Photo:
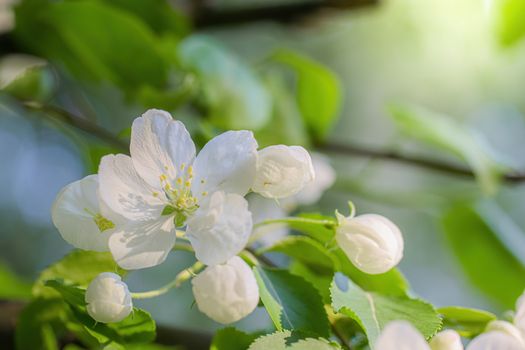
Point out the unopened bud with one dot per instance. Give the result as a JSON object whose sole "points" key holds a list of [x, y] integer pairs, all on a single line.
{"points": [[446, 340], [108, 298]]}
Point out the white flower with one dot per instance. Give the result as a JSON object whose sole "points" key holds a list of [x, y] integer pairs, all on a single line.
{"points": [[446, 340], [373, 243], [282, 171], [324, 179], [162, 185], [400, 335], [108, 298], [81, 218], [226, 293], [266, 209], [495, 340], [507, 328]]}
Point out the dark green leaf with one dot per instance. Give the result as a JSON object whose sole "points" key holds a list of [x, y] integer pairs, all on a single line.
{"points": [[291, 302], [468, 322], [487, 262], [231, 339], [374, 311], [318, 92]]}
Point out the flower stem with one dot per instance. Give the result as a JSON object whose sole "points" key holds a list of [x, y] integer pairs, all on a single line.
{"points": [[293, 220], [182, 277]]}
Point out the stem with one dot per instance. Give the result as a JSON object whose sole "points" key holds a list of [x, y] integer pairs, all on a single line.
{"points": [[182, 277], [184, 247], [292, 220]]}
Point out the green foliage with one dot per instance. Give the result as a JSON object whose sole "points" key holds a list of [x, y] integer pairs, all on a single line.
{"points": [[468, 322], [486, 261], [231, 339], [94, 41], [291, 302], [318, 92], [138, 327], [78, 267], [233, 95], [510, 24], [444, 133], [38, 323], [280, 341], [34, 84], [374, 311], [12, 286]]}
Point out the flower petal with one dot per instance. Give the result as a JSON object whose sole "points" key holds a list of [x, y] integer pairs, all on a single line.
{"points": [[124, 192], [159, 146], [220, 228], [495, 340], [143, 244], [73, 215], [266, 209], [226, 163], [400, 335]]}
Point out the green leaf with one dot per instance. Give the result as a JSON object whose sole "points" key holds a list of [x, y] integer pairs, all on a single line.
{"points": [[231, 339], [94, 41], [487, 262], [374, 311], [38, 323], [291, 302], [232, 93], [318, 92], [35, 83], [12, 286], [468, 322], [138, 327], [278, 341], [319, 227], [449, 135], [78, 267], [510, 24]]}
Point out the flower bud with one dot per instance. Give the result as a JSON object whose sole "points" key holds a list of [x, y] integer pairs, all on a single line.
{"points": [[373, 243], [282, 171], [108, 298], [507, 328], [399, 335], [226, 293], [495, 340], [446, 340]]}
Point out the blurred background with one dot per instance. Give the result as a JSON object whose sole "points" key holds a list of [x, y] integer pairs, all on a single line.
{"points": [[417, 105]]}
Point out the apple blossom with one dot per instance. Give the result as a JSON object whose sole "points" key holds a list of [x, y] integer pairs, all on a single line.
{"points": [[108, 298], [400, 335], [163, 185], [81, 218], [282, 171], [495, 340], [263, 209], [226, 293], [446, 340], [373, 243]]}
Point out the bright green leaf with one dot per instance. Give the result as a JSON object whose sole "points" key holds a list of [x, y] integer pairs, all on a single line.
{"points": [[374, 311], [487, 262], [12, 286], [278, 341], [78, 267], [231, 339], [318, 92], [468, 322], [510, 24], [449, 135], [232, 93], [291, 302]]}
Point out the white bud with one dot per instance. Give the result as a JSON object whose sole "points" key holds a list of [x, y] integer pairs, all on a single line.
{"points": [[108, 298], [373, 243], [400, 335], [226, 293], [446, 340], [507, 328], [282, 171], [495, 340]]}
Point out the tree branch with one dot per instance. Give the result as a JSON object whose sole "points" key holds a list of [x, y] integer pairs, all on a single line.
{"points": [[447, 168]]}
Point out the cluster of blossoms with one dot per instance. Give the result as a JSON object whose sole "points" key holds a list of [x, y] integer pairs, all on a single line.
{"points": [[137, 206], [498, 335]]}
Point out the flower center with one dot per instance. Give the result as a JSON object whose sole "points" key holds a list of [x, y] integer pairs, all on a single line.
{"points": [[102, 223], [181, 202]]}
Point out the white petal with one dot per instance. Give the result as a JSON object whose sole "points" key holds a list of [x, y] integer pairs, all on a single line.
{"points": [[266, 209], [495, 340], [400, 335], [324, 179], [160, 145], [143, 244], [124, 192], [446, 340], [220, 228], [108, 298], [73, 215], [282, 171], [226, 163]]}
